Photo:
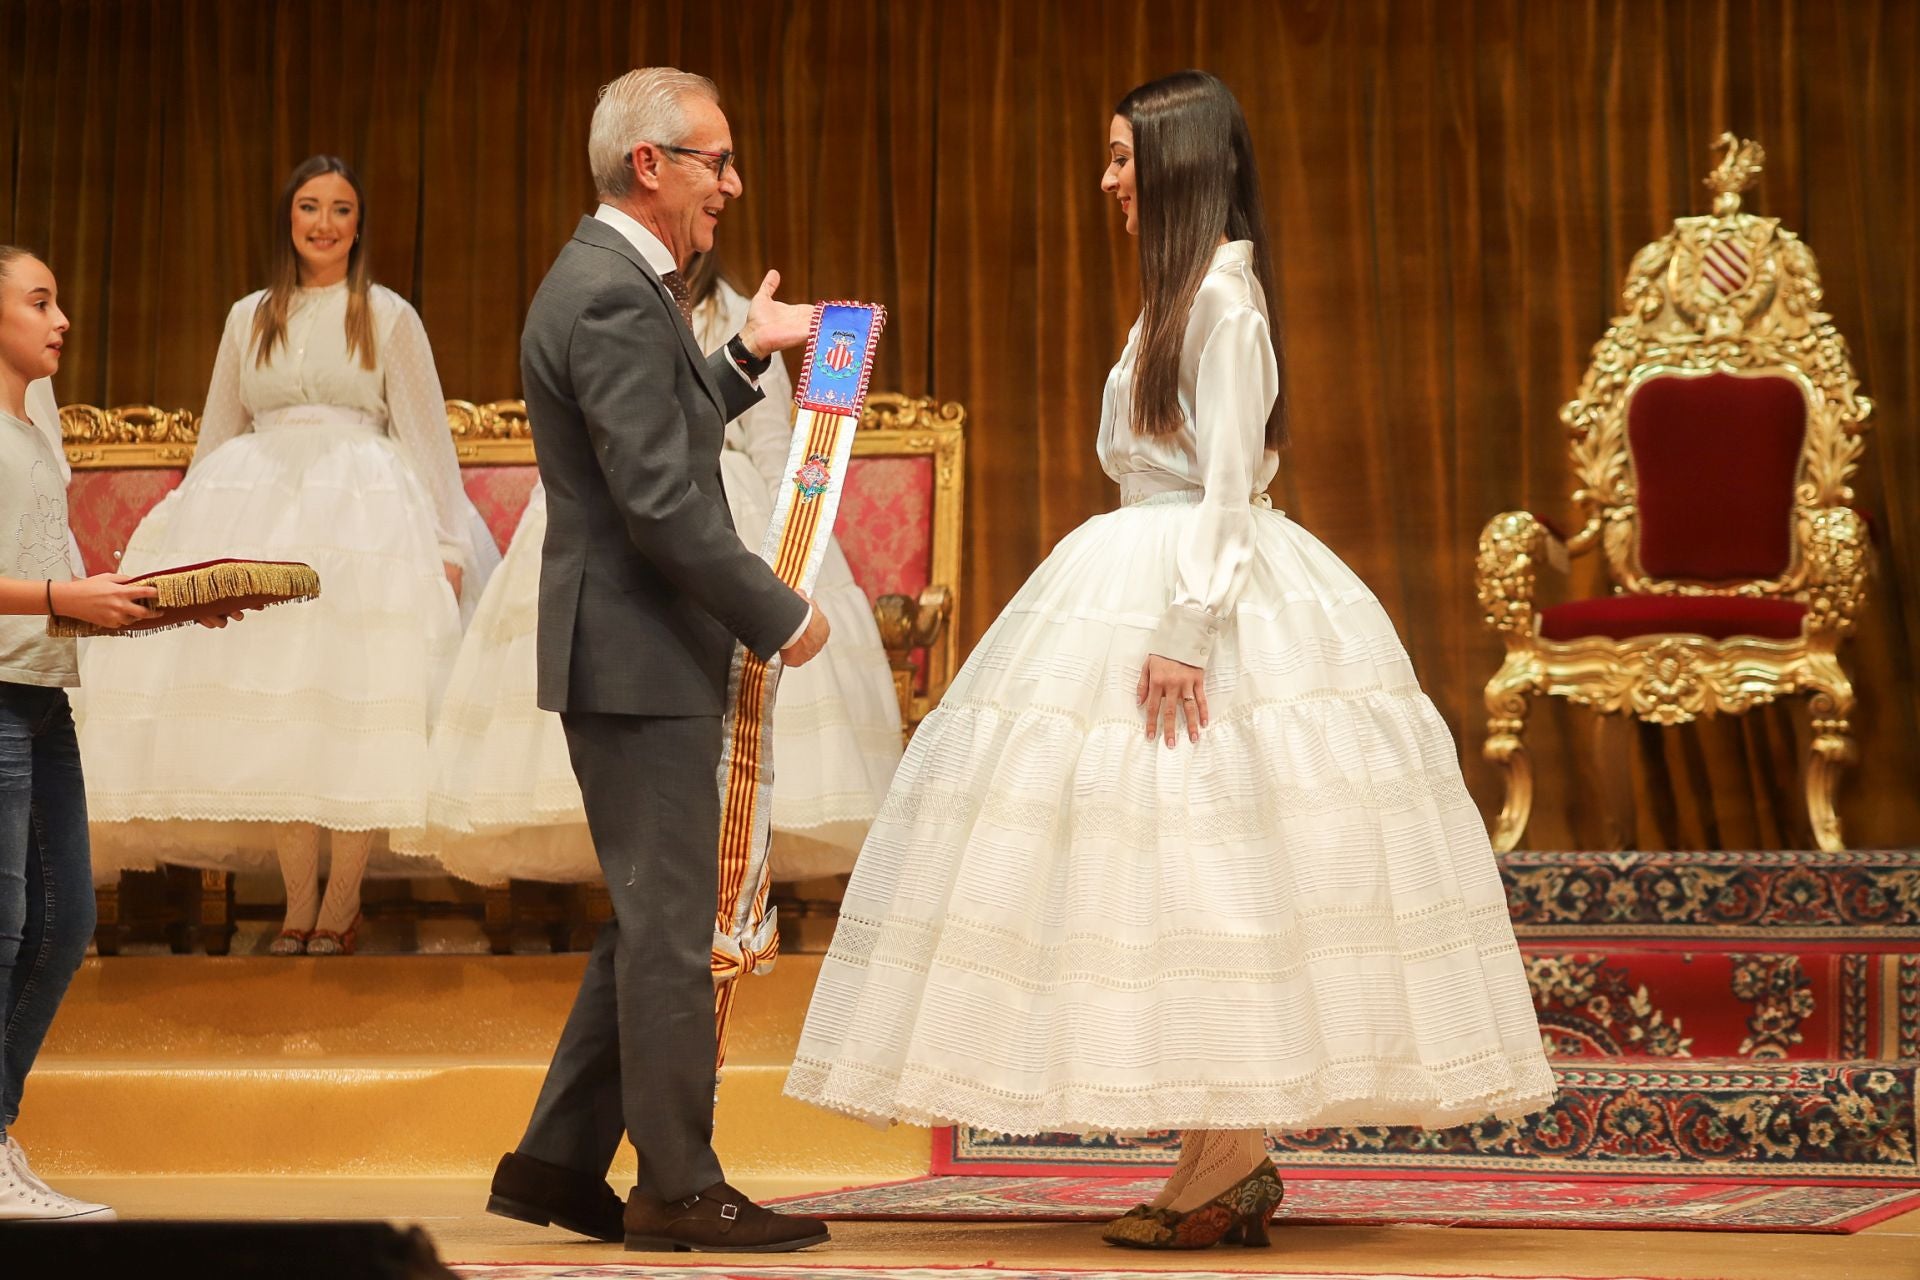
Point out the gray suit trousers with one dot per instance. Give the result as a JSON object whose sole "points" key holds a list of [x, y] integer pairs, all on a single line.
{"points": [[638, 1050]]}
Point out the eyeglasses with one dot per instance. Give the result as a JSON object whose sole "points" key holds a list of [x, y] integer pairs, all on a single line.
{"points": [[720, 159]]}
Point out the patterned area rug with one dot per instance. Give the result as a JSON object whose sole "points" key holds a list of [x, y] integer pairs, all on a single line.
{"points": [[1717, 1121], [1772, 895], [1357, 1202], [628, 1271]]}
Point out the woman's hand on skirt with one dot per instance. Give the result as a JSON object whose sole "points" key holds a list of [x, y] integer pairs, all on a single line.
{"points": [[454, 577], [1169, 690]]}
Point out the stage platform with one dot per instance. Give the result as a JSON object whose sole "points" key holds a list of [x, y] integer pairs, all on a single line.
{"points": [[423, 1066]]}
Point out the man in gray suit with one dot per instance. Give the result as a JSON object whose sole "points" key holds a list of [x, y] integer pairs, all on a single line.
{"points": [[644, 590]]}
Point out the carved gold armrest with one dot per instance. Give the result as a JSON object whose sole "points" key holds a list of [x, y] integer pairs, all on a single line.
{"points": [[1837, 548], [907, 624], [1511, 547]]}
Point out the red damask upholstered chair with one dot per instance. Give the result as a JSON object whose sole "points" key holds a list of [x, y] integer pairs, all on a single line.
{"points": [[900, 529], [495, 448], [1713, 439]]}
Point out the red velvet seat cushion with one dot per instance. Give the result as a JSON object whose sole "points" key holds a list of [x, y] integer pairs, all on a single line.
{"points": [[1625, 617], [1714, 459]]}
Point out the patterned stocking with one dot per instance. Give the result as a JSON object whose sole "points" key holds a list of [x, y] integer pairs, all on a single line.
{"points": [[298, 844], [1190, 1144], [350, 852], [1226, 1156]]}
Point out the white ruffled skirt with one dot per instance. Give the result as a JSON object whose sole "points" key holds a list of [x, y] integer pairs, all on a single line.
{"points": [[197, 742], [505, 804], [1057, 925]]}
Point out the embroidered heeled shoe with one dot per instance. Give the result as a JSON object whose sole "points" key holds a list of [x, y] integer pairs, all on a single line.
{"points": [[1238, 1215], [290, 942], [325, 942]]}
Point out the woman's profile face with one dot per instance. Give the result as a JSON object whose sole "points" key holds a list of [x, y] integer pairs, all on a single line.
{"points": [[1118, 181], [325, 220]]}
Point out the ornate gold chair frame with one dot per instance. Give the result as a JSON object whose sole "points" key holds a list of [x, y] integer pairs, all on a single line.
{"points": [[1728, 293]]}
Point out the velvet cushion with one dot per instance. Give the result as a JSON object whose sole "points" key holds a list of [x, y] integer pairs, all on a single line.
{"points": [[1715, 459], [1624, 617], [104, 507]]}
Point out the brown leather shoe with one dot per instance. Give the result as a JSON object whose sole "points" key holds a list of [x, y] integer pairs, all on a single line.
{"points": [[531, 1190], [718, 1220]]}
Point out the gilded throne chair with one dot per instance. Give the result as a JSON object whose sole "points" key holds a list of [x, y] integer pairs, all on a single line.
{"points": [[1713, 438]]}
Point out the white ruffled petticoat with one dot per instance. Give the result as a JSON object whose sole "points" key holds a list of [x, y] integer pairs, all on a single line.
{"points": [[1058, 925], [505, 804], [197, 741]]}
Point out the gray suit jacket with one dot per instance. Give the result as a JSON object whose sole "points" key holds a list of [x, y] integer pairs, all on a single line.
{"points": [[644, 585]]}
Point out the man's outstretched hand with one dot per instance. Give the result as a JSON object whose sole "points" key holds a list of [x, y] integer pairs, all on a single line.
{"points": [[774, 326]]}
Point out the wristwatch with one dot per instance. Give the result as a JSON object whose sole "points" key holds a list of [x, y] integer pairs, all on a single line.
{"points": [[737, 352]]}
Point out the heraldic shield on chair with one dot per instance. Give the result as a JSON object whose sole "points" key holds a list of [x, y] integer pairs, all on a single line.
{"points": [[1712, 439]]}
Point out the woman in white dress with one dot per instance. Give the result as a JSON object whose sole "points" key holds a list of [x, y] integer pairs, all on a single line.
{"points": [[324, 440], [1184, 846], [505, 804]]}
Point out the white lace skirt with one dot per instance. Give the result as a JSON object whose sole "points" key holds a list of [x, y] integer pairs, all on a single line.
{"points": [[1057, 925], [197, 741], [505, 804]]}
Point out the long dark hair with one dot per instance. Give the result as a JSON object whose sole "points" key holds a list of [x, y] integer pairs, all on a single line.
{"points": [[1193, 167], [270, 318]]}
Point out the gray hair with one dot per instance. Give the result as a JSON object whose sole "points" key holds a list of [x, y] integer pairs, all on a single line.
{"points": [[645, 105]]}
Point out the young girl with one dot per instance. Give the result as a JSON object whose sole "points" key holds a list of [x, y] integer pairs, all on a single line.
{"points": [[1184, 846], [46, 885], [324, 440]]}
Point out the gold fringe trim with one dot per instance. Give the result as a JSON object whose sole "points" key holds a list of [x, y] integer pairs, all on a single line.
{"points": [[208, 585]]}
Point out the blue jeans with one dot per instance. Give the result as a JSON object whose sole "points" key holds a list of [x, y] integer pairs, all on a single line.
{"points": [[46, 877]]}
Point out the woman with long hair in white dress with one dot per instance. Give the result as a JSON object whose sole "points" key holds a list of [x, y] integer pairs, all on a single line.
{"points": [[324, 440], [505, 805], [1184, 846]]}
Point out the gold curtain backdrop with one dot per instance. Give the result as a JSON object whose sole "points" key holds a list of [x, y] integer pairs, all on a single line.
{"points": [[1456, 188]]}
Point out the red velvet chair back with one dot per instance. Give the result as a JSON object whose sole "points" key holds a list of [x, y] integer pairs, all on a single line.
{"points": [[1716, 459], [886, 524], [104, 507]]}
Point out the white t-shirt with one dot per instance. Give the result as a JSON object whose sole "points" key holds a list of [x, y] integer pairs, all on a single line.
{"points": [[33, 546]]}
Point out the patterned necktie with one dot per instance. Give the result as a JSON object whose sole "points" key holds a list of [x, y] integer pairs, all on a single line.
{"points": [[682, 297]]}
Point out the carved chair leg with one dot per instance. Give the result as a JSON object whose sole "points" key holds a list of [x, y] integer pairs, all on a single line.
{"points": [[1833, 750], [598, 910], [498, 922], [214, 923], [108, 931], [1506, 720]]}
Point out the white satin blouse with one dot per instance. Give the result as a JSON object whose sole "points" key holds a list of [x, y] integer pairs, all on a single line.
{"points": [[1229, 379]]}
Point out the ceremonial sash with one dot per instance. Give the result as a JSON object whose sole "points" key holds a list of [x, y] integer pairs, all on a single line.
{"points": [[833, 386]]}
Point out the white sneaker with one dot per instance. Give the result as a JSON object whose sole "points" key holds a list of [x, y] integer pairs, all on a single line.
{"points": [[23, 1197]]}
